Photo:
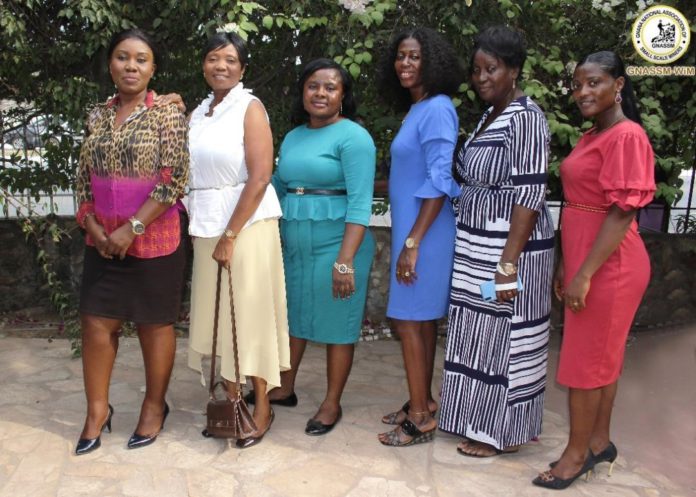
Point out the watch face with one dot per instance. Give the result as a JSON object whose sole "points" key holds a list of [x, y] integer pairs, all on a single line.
{"points": [[410, 243], [137, 226]]}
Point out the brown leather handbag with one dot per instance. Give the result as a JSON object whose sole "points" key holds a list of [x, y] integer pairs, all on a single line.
{"points": [[228, 417]]}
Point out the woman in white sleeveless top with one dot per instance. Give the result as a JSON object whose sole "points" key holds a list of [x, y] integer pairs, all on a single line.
{"points": [[234, 221]]}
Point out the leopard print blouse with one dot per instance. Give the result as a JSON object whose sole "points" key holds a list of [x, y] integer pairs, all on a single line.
{"points": [[147, 156]]}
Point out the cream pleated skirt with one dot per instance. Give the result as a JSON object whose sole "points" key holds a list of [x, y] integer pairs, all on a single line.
{"points": [[258, 284]]}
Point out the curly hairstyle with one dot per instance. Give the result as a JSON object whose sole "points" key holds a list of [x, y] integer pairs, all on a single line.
{"points": [[299, 115], [503, 43], [441, 71], [611, 63]]}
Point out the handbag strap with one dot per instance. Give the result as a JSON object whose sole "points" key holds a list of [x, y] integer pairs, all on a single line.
{"points": [[213, 358], [238, 383]]}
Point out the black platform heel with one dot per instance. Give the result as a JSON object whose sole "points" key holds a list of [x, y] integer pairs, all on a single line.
{"points": [[136, 441], [87, 445]]}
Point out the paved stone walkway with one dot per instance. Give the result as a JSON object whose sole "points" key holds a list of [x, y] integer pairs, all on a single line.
{"points": [[42, 408]]}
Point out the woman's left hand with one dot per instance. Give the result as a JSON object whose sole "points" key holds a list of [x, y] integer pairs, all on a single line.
{"points": [[169, 98], [406, 266], [119, 241], [576, 292], [223, 251], [505, 295], [343, 285]]}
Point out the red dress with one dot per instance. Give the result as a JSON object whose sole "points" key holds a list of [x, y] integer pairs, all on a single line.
{"points": [[614, 167]]}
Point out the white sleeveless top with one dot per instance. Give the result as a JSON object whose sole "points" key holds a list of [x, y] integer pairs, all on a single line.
{"points": [[218, 170]]}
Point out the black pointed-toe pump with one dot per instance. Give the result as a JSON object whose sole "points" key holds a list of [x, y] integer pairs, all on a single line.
{"points": [[87, 445], [136, 441]]}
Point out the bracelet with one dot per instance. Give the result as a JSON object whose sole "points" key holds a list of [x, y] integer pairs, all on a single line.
{"points": [[506, 286], [343, 268], [506, 268]]}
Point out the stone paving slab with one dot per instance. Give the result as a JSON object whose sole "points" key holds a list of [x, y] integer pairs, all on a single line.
{"points": [[42, 407]]}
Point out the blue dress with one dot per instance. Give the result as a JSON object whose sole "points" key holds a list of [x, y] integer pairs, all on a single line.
{"points": [[340, 156], [421, 168]]}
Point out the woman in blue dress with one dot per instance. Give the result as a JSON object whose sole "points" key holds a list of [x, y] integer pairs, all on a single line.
{"points": [[325, 178], [419, 72]]}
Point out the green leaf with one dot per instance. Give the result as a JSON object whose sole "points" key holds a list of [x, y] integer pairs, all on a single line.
{"points": [[248, 26], [267, 22], [354, 70]]}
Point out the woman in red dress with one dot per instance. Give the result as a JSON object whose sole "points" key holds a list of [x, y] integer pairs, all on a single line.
{"points": [[605, 267]]}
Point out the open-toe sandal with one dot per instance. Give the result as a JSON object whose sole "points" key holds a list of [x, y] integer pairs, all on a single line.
{"points": [[489, 451], [393, 417], [410, 429]]}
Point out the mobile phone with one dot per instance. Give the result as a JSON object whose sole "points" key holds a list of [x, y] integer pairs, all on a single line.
{"points": [[488, 289]]}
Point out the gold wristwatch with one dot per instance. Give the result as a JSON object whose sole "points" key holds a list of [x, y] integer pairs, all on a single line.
{"points": [[228, 233], [411, 243], [137, 226], [506, 268]]}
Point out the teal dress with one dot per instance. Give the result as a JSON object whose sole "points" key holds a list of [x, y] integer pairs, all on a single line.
{"points": [[340, 156]]}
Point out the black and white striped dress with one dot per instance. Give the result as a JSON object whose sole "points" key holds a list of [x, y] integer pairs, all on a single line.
{"points": [[495, 358]]}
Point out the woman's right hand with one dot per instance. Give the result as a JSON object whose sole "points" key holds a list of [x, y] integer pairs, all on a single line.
{"points": [[223, 251], [99, 236], [558, 278]]}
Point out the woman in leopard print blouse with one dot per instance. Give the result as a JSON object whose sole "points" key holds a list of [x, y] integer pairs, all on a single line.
{"points": [[133, 168]]}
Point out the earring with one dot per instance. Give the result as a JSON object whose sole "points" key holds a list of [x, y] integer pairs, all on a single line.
{"points": [[340, 111], [514, 84], [618, 99]]}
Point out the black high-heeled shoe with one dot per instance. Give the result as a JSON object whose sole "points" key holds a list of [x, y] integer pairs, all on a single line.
{"points": [[548, 480], [609, 454], [87, 445], [136, 440]]}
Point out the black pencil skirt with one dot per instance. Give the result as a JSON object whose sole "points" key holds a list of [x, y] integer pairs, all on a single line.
{"points": [[144, 291]]}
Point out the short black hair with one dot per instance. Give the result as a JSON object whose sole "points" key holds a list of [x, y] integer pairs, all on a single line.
{"points": [[503, 43], [349, 107], [222, 39], [441, 71], [611, 63], [138, 35]]}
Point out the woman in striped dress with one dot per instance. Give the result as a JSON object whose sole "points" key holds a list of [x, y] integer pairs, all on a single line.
{"points": [[495, 358]]}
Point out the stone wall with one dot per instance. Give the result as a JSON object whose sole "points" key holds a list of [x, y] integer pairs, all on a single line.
{"points": [[670, 298]]}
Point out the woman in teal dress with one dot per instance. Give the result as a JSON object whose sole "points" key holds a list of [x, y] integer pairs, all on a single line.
{"points": [[325, 180]]}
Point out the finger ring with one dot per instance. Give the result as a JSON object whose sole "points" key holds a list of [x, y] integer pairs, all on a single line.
{"points": [[407, 274]]}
